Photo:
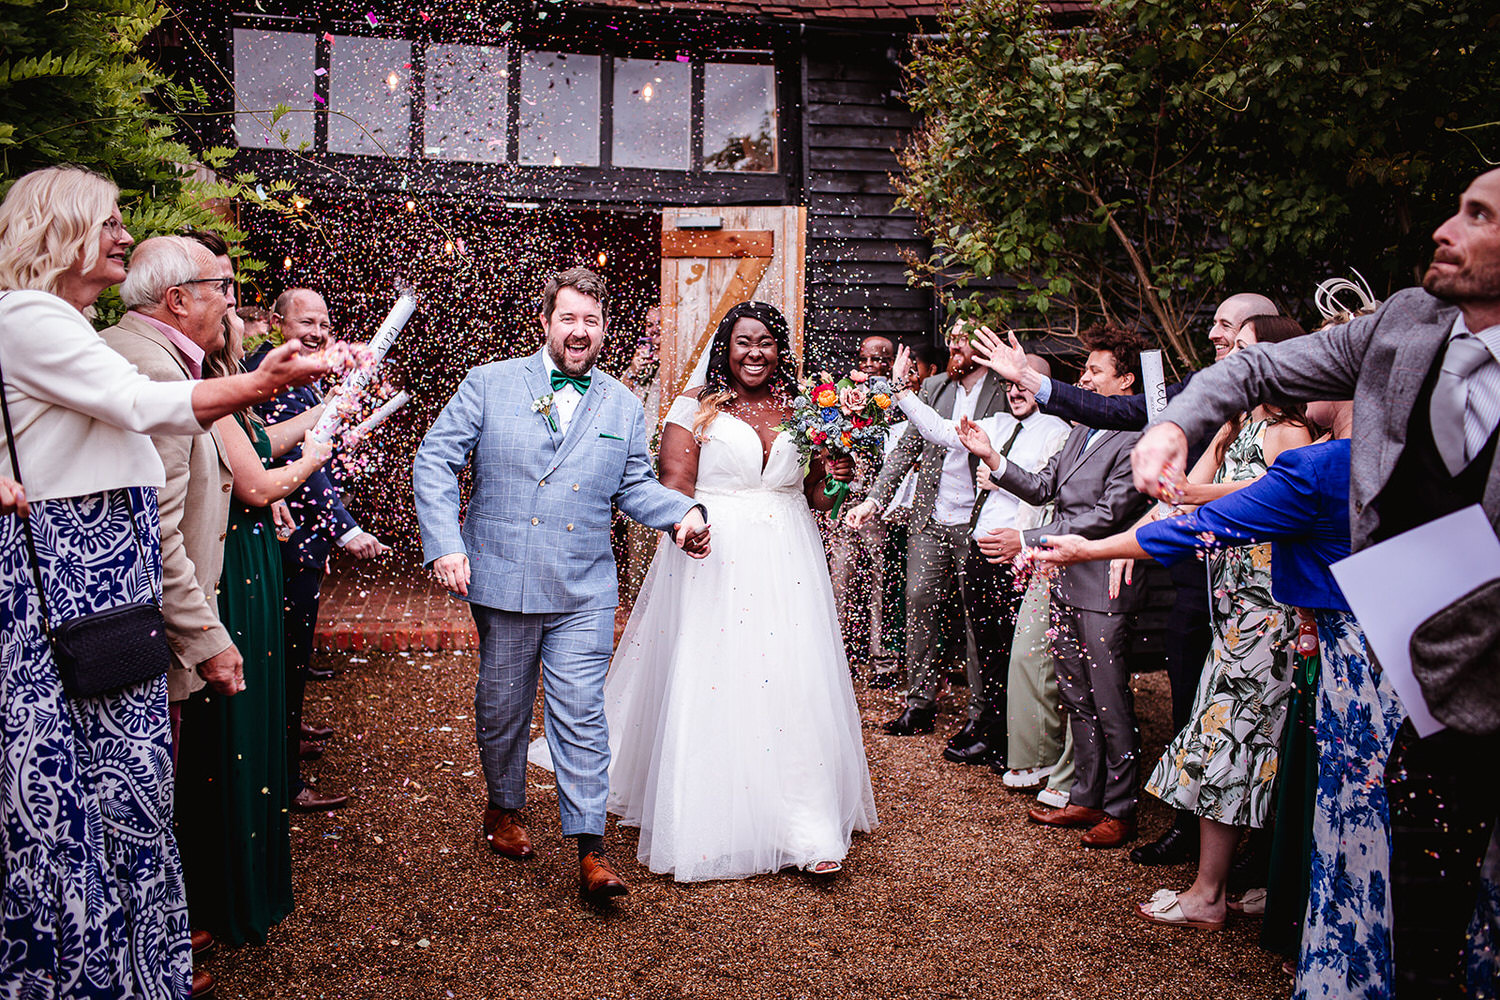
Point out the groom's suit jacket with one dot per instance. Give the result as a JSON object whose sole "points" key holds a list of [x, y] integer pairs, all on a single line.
{"points": [[537, 528]]}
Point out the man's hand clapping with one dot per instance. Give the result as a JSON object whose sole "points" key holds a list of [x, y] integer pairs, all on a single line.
{"points": [[691, 534]]}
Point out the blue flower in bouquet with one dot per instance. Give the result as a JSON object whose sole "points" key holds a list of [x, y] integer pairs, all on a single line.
{"points": [[830, 414]]}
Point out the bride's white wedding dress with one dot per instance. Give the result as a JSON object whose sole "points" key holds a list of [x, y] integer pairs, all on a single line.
{"points": [[733, 730]]}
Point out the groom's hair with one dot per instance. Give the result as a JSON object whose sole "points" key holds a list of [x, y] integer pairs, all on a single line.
{"points": [[582, 279]]}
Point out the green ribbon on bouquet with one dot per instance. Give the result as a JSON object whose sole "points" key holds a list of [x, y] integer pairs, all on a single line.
{"points": [[839, 491]]}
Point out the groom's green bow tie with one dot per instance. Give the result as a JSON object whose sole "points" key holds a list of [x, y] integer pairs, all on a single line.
{"points": [[560, 379]]}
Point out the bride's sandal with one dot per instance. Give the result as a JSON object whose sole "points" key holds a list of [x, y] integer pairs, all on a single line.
{"points": [[823, 868]]}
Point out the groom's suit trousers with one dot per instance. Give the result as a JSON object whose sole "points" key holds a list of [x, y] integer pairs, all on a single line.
{"points": [[572, 650]]}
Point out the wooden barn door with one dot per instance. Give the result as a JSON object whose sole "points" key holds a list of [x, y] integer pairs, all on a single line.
{"points": [[752, 253]]}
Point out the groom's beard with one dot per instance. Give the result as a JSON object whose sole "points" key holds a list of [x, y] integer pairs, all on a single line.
{"points": [[560, 359]]}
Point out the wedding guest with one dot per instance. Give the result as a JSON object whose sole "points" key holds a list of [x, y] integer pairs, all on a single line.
{"points": [[992, 594], [232, 794], [1187, 636], [257, 323], [1089, 482], [938, 537], [1222, 766], [322, 522], [1301, 506], [886, 672], [855, 555], [94, 785], [1427, 449]]}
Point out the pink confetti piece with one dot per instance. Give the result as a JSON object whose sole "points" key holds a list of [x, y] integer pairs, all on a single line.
{"points": [[319, 98], [320, 71], [328, 37], [370, 16], [424, 15]]}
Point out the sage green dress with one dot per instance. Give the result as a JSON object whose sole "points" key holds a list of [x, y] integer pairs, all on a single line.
{"points": [[1223, 764], [233, 828]]}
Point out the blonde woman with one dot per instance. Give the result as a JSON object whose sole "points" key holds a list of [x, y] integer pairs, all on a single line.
{"points": [[92, 893]]}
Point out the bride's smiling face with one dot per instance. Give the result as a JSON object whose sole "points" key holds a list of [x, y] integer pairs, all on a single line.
{"points": [[752, 353]]}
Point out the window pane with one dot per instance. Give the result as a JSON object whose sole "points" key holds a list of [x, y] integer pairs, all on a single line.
{"points": [[739, 117], [271, 68], [367, 82], [466, 105], [653, 114], [559, 109]]}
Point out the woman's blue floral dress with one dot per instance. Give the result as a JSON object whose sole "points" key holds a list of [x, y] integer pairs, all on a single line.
{"points": [[92, 903], [1346, 938]]}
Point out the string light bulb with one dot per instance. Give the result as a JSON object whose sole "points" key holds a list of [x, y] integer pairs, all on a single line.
{"points": [[603, 258], [411, 206], [393, 81], [286, 263], [648, 92]]}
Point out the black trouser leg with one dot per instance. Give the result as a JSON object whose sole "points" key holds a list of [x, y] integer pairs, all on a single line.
{"points": [[992, 602], [1442, 792], [303, 584]]}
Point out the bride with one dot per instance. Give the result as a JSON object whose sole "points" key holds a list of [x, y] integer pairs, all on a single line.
{"points": [[734, 736]]}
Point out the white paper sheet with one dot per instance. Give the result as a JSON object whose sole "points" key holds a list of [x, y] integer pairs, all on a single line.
{"points": [[1154, 384], [1395, 586]]}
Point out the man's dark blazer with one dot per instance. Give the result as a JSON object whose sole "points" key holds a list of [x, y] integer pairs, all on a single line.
{"points": [[1107, 413], [316, 504]]}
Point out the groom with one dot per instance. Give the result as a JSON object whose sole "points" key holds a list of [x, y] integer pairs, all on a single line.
{"points": [[552, 443]]}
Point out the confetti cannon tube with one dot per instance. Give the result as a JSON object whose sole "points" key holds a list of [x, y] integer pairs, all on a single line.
{"points": [[354, 385], [380, 416]]}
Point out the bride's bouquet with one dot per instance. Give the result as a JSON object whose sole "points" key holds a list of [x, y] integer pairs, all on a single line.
{"points": [[839, 417]]}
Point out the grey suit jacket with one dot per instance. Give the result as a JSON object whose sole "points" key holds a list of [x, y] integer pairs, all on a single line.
{"points": [[1380, 360], [1095, 497], [941, 393], [537, 528]]}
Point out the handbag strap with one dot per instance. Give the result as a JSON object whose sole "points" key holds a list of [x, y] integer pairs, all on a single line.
{"points": [[36, 566]]}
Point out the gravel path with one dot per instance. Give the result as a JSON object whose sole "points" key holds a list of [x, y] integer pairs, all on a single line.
{"points": [[954, 895]]}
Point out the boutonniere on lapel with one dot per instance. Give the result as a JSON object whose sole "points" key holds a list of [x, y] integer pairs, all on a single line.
{"points": [[543, 405]]}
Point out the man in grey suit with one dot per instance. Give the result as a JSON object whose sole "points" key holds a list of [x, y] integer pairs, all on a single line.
{"points": [[1424, 375], [551, 443], [938, 535], [1089, 481]]}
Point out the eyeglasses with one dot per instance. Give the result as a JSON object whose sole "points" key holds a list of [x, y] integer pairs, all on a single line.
{"points": [[225, 284], [113, 228]]}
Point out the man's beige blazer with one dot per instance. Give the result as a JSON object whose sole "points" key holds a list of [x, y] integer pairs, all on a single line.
{"points": [[194, 514]]}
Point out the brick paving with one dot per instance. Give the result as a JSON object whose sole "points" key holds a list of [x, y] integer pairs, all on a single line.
{"points": [[392, 605]]}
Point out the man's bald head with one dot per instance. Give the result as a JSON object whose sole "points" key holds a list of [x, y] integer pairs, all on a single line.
{"points": [[301, 314], [1231, 313], [876, 355]]}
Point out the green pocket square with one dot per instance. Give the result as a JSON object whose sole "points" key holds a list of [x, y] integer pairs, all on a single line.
{"points": [[612, 437]]}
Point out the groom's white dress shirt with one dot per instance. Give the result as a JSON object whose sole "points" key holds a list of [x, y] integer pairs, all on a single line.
{"points": [[565, 400]]}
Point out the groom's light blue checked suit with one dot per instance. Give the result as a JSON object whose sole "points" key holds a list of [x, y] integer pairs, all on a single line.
{"points": [[542, 582]]}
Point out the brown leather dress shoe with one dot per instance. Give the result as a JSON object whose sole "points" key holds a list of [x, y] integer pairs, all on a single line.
{"points": [[505, 834], [309, 750], [309, 801], [310, 732], [597, 877], [203, 944], [1068, 816], [1110, 832], [203, 983]]}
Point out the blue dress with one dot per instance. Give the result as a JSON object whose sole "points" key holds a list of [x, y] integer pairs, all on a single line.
{"points": [[1302, 506], [93, 903]]}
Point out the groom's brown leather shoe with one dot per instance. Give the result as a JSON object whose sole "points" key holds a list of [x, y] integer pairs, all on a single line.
{"points": [[1068, 816], [597, 877], [505, 834]]}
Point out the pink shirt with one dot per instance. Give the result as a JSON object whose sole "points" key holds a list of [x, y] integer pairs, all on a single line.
{"points": [[190, 351]]}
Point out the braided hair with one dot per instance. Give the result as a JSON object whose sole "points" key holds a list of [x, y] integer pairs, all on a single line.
{"points": [[717, 392]]}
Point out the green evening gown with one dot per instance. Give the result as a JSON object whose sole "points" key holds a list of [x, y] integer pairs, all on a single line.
{"points": [[233, 828]]}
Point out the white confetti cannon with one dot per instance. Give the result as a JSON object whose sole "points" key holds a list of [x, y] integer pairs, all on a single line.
{"points": [[353, 386], [380, 416]]}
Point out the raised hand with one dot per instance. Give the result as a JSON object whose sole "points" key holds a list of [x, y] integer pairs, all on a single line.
{"points": [[1007, 360], [902, 368], [974, 438], [1158, 459]]}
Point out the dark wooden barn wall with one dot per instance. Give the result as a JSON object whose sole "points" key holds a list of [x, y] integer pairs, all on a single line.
{"points": [[853, 121]]}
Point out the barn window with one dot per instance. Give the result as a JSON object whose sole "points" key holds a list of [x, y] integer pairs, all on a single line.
{"points": [[369, 91], [559, 109], [467, 114], [273, 68], [739, 117], [652, 113]]}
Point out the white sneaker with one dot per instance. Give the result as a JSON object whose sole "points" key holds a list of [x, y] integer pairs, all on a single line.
{"points": [[1026, 777], [1052, 798]]}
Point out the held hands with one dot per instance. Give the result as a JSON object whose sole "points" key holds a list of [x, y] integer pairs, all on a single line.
{"points": [[287, 367], [691, 534], [858, 516], [452, 571], [366, 546], [1000, 545], [225, 672], [1158, 460], [12, 498]]}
